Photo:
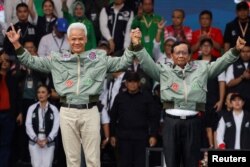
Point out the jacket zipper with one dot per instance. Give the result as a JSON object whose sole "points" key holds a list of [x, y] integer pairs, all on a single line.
{"points": [[185, 86], [78, 75], [113, 30]]}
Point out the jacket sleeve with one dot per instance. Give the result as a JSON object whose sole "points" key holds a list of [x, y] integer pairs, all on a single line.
{"points": [[148, 65], [42, 64], [220, 131], [55, 127], [103, 20], [28, 124], [222, 63], [120, 63], [127, 32]]}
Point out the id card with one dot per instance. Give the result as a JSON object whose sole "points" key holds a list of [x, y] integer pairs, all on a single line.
{"points": [[29, 84], [147, 39]]}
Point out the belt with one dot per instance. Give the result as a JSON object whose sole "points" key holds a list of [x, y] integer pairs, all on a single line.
{"points": [[171, 105], [80, 106], [182, 117]]}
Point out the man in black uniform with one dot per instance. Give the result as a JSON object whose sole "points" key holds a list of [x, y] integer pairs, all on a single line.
{"points": [[134, 118]]}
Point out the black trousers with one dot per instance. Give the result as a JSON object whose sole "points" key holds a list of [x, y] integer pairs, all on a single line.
{"points": [[132, 153], [182, 141]]}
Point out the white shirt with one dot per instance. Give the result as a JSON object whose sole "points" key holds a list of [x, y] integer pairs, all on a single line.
{"points": [[58, 7], [112, 91], [10, 10], [230, 72], [29, 128], [50, 43], [103, 20], [222, 127], [160, 57], [222, 77]]}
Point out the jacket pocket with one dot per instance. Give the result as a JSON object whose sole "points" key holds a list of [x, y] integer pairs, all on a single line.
{"points": [[166, 85], [202, 85], [97, 76], [58, 78]]}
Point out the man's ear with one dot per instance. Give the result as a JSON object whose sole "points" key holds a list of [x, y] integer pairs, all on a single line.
{"points": [[172, 56]]}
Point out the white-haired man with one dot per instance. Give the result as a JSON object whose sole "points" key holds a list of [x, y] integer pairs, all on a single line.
{"points": [[78, 77]]}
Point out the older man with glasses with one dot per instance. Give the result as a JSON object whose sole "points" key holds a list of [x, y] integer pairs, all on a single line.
{"points": [[183, 93]]}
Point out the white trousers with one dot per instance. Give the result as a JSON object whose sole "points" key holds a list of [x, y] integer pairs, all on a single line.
{"points": [[41, 157]]}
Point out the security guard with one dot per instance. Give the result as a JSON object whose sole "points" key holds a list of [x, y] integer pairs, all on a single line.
{"points": [[183, 92], [78, 76]]}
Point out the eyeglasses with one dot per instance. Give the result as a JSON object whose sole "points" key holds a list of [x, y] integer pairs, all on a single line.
{"points": [[181, 53], [169, 45]]}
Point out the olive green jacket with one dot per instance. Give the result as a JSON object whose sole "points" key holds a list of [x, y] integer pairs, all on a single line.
{"points": [[78, 78], [185, 88]]}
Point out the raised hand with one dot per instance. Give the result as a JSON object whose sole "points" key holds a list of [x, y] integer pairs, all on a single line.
{"points": [[135, 36], [14, 36], [161, 24], [240, 43]]}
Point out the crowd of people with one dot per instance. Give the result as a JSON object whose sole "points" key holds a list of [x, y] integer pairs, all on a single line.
{"points": [[94, 83]]}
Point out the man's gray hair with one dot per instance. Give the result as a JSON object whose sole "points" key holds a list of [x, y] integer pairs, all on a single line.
{"points": [[80, 26]]}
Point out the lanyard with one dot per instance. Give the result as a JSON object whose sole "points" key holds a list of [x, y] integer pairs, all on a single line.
{"points": [[43, 110], [59, 47], [110, 94], [25, 32], [243, 31], [148, 24]]}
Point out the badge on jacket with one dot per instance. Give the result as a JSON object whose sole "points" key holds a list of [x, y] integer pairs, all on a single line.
{"points": [[65, 56], [175, 87], [228, 124], [69, 83], [247, 125], [92, 56]]}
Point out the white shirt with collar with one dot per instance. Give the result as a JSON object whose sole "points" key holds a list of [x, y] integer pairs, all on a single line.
{"points": [[230, 72], [112, 91], [159, 56], [51, 42], [10, 10]]}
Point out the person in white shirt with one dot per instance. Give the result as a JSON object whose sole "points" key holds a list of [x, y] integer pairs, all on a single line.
{"points": [[233, 130], [158, 55], [55, 41], [42, 124], [112, 88], [216, 88], [10, 10]]}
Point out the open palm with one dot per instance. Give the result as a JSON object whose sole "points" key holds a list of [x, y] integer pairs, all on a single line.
{"points": [[13, 35]]}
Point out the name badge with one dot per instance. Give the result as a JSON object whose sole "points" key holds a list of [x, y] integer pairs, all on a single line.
{"points": [[147, 39], [29, 83], [31, 31]]}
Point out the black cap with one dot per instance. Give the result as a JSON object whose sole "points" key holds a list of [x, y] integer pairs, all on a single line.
{"points": [[132, 76], [234, 95], [242, 6], [103, 43]]}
